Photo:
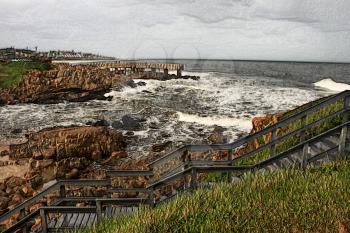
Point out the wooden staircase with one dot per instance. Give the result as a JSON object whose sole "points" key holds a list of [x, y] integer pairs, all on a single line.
{"points": [[298, 140]]}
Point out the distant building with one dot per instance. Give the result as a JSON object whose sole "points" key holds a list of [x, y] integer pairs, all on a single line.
{"points": [[13, 54], [7, 54]]}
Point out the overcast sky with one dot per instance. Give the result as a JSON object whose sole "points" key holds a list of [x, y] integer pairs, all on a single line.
{"points": [[304, 30]]}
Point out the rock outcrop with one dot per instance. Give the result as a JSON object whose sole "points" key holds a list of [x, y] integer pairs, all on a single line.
{"points": [[60, 153], [60, 143], [72, 83], [259, 123], [62, 83]]}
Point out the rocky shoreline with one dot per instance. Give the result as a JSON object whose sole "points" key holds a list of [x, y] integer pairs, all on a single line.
{"points": [[73, 83], [80, 152]]}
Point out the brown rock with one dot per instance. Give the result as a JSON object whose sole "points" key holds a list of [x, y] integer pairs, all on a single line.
{"points": [[73, 174], [48, 173], [342, 228], [36, 181], [62, 142], [16, 199], [4, 201], [14, 181], [114, 159]]}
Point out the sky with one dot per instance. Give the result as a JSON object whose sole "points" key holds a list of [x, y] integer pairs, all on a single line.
{"points": [[298, 30]]}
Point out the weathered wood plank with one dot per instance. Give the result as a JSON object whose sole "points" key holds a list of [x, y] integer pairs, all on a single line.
{"points": [[79, 220], [72, 221]]}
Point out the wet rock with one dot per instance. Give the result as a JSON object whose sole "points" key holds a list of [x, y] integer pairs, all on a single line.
{"points": [[131, 123], [153, 125], [165, 135], [190, 77], [131, 83], [129, 133], [117, 124], [16, 131], [128, 123], [99, 123], [161, 146], [141, 83]]}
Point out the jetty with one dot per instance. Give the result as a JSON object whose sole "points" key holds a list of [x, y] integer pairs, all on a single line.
{"points": [[128, 67]]}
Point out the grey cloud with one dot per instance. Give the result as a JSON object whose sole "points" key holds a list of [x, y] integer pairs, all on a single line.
{"points": [[256, 29]]}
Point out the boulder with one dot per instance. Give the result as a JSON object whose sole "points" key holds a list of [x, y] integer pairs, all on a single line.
{"points": [[131, 83], [128, 122], [217, 136], [64, 142], [131, 123]]}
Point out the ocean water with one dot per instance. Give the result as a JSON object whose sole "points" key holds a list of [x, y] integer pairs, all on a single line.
{"points": [[180, 111]]}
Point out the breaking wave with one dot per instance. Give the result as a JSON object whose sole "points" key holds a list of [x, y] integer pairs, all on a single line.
{"points": [[332, 85], [225, 121]]}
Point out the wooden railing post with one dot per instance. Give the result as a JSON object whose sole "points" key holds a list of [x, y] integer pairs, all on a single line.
{"points": [[151, 197], [62, 191], [22, 214], [273, 147], [229, 159], [305, 156], [43, 220], [344, 130], [303, 124], [193, 179], [98, 210], [186, 159], [304, 153], [186, 162]]}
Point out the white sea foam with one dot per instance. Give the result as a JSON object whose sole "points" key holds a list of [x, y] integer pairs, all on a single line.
{"points": [[224, 121], [331, 85]]}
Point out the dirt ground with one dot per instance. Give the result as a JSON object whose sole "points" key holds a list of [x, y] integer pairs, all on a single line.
{"points": [[10, 170]]}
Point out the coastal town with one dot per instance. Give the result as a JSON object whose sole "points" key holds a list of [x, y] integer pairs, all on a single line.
{"points": [[27, 54]]}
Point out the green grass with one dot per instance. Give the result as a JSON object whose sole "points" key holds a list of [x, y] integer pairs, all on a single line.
{"points": [[12, 73], [284, 201]]}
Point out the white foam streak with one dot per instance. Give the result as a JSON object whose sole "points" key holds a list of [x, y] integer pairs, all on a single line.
{"points": [[224, 121], [331, 85]]}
